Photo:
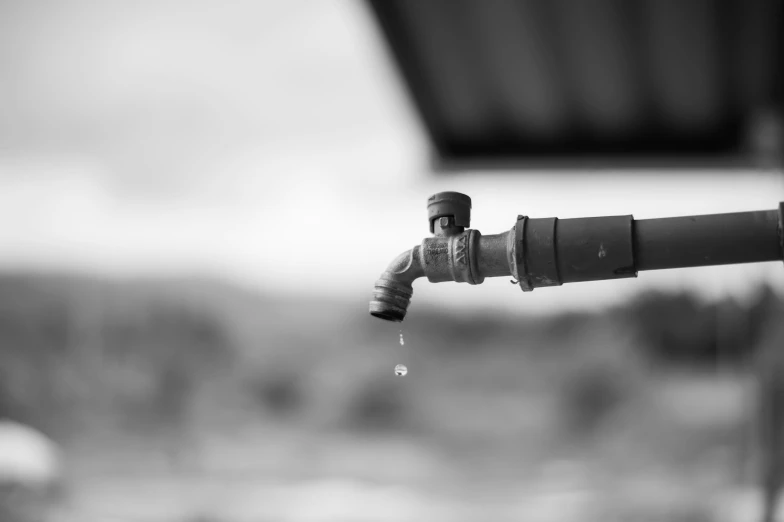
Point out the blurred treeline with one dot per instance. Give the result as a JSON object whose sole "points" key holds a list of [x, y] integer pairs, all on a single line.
{"points": [[79, 353], [679, 329]]}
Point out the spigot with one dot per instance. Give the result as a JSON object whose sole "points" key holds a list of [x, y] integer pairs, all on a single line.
{"points": [[548, 252], [454, 253]]}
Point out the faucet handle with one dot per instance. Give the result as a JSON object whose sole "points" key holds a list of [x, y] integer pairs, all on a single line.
{"points": [[449, 204]]}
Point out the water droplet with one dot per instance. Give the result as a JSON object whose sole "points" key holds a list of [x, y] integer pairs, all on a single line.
{"points": [[400, 370], [402, 342]]}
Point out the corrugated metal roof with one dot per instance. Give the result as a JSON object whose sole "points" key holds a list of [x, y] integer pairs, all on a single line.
{"points": [[518, 81]]}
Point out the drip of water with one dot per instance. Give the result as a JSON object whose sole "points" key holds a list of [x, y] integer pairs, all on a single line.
{"points": [[401, 370], [402, 342]]}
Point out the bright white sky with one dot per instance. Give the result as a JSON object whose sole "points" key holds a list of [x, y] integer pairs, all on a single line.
{"points": [[269, 142]]}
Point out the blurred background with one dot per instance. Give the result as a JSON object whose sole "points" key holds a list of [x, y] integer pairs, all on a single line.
{"points": [[197, 197]]}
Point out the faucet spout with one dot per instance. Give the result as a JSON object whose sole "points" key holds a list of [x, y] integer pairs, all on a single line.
{"points": [[393, 290]]}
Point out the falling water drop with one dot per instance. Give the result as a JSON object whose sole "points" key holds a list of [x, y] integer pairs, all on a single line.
{"points": [[402, 342], [400, 370]]}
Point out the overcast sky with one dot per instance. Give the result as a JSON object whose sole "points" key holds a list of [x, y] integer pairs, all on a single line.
{"points": [[269, 142]]}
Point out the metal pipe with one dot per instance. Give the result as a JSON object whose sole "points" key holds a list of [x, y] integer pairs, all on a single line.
{"points": [[492, 257], [550, 251], [717, 239]]}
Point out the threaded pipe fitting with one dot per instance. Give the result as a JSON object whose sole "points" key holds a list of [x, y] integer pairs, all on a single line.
{"points": [[390, 300]]}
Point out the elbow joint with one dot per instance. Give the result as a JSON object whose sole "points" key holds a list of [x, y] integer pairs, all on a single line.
{"points": [[393, 290]]}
